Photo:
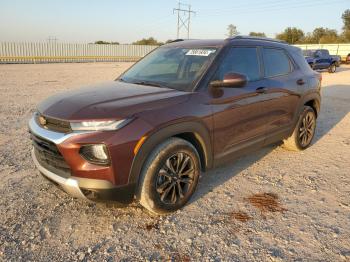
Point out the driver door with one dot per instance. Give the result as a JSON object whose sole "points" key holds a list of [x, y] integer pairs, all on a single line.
{"points": [[239, 115]]}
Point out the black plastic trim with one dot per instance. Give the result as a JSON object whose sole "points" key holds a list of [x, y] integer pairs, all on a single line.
{"points": [[199, 130], [123, 195]]}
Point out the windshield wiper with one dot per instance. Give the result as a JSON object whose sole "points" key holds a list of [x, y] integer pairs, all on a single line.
{"points": [[148, 83]]}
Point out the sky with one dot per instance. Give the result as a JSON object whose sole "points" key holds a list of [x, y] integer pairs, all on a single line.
{"points": [[85, 21]]}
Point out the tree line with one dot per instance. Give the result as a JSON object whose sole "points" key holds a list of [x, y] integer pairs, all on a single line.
{"points": [[291, 35], [319, 35], [143, 41]]}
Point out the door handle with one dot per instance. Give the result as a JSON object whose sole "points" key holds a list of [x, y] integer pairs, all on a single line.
{"points": [[300, 82], [261, 90]]}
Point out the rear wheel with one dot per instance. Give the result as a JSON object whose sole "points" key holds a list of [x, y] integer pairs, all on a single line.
{"points": [[303, 132], [169, 176], [332, 68]]}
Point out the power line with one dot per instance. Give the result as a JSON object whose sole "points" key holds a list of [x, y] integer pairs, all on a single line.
{"points": [[274, 7], [249, 5], [183, 18]]}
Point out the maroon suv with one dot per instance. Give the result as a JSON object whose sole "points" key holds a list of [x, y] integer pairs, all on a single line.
{"points": [[186, 107]]}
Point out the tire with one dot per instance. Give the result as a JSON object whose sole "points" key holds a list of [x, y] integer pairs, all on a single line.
{"points": [[162, 171], [332, 68], [301, 137]]}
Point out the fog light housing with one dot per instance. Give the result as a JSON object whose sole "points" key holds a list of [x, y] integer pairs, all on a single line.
{"points": [[95, 154]]}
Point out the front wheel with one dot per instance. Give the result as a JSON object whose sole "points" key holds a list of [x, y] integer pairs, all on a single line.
{"points": [[332, 68], [303, 132], [169, 176]]}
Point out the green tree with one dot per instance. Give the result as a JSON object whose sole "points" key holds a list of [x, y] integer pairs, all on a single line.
{"points": [[232, 30], [308, 39], [346, 20], [257, 34], [147, 41], [322, 35], [100, 42], [291, 35]]}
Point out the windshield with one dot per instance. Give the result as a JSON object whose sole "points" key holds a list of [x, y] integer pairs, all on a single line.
{"points": [[177, 68], [309, 53]]}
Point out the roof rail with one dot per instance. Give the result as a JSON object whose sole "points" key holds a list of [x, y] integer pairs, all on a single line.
{"points": [[257, 38], [176, 40]]}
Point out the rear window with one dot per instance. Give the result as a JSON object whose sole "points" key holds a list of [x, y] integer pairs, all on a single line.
{"points": [[276, 62]]}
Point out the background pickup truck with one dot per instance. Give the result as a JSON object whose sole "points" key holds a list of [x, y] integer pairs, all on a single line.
{"points": [[321, 59]]}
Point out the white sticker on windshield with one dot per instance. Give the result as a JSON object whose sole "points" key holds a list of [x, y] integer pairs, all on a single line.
{"points": [[200, 52]]}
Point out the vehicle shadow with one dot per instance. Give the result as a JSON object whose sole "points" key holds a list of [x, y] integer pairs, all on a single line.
{"points": [[218, 176], [334, 107], [341, 68]]}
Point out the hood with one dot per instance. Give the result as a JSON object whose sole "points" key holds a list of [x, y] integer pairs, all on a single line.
{"points": [[309, 59], [110, 100]]}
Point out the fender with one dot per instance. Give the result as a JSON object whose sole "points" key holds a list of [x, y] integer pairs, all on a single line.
{"points": [[199, 130], [311, 95]]}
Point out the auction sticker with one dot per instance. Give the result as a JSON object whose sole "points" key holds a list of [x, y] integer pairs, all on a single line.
{"points": [[200, 52]]}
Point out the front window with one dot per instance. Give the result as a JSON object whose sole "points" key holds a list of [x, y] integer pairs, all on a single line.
{"points": [[176, 68], [242, 60]]}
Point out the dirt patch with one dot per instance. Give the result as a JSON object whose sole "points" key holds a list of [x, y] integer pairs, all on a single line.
{"points": [[151, 226], [177, 257], [266, 202], [240, 216]]}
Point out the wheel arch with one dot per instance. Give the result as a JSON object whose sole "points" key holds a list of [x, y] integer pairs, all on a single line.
{"points": [[197, 141], [312, 99], [193, 132], [314, 104]]}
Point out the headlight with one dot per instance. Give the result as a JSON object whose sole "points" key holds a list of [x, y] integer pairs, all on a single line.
{"points": [[95, 154], [99, 125]]}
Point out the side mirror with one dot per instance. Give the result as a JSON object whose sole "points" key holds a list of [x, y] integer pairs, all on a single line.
{"points": [[231, 80]]}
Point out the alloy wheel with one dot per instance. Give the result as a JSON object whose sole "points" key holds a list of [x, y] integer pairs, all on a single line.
{"points": [[307, 129], [175, 178]]}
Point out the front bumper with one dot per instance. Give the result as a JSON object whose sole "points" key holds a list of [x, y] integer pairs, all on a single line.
{"points": [[79, 187], [89, 189], [70, 185]]}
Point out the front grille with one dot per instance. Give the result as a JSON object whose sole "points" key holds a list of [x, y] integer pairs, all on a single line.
{"points": [[49, 156], [53, 124]]}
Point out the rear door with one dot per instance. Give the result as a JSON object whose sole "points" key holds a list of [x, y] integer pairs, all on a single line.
{"points": [[283, 84]]}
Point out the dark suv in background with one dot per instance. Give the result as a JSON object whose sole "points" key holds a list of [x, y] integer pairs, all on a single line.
{"points": [[186, 107]]}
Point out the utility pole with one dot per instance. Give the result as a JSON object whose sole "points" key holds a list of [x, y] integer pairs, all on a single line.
{"points": [[183, 18]]}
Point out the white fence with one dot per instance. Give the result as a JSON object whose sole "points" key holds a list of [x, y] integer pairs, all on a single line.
{"points": [[334, 49], [62, 52]]}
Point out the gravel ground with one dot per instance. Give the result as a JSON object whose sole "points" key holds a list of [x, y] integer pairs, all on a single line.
{"points": [[270, 205]]}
